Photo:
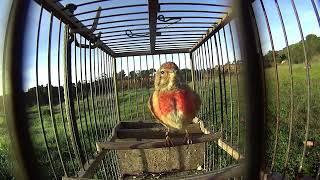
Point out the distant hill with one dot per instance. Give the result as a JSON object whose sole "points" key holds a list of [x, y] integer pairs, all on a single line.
{"points": [[312, 43]]}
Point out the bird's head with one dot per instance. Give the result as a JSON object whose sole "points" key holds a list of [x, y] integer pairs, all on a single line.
{"points": [[167, 77]]}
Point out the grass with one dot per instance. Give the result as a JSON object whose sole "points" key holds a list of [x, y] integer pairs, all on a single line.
{"points": [[133, 106], [6, 166], [299, 117], [87, 135]]}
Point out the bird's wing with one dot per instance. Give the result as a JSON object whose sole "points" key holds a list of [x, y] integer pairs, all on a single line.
{"points": [[197, 101], [195, 98], [151, 107]]}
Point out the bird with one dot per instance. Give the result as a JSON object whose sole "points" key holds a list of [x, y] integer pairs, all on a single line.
{"points": [[173, 103]]}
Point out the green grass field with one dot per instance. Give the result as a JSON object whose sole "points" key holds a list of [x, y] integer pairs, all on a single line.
{"points": [[87, 133], [299, 117], [133, 107]]}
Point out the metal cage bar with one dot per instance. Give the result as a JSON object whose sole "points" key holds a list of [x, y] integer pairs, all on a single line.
{"points": [[100, 97], [307, 67], [78, 101]]}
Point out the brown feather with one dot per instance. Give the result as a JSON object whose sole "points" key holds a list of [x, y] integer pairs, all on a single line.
{"points": [[151, 108]]}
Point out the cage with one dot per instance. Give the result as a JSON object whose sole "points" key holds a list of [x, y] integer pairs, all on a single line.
{"points": [[76, 86]]}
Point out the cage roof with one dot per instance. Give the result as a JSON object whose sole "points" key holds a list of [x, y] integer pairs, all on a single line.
{"points": [[140, 27]]}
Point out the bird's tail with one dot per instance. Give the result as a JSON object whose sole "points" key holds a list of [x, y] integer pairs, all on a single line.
{"points": [[201, 124]]}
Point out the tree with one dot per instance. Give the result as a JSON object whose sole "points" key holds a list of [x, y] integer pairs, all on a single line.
{"points": [[132, 74], [283, 57], [312, 44], [143, 73], [151, 71], [121, 74]]}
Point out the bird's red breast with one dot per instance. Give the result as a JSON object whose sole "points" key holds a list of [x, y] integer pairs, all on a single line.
{"points": [[175, 108], [180, 100]]}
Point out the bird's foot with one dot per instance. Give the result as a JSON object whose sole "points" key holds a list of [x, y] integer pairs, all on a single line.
{"points": [[169, 143], [187, 139]]}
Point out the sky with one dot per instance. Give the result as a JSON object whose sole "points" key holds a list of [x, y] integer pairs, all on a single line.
{"points": [[4, 13], [304, 7], [306, 15]]}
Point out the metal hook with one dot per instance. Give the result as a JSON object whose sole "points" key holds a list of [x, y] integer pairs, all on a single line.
{"points": [[94, 24], [130, 34], [167, 19]]}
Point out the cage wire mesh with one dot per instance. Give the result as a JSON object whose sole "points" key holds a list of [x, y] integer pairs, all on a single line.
{"points": [[217, 82], [290, 83], [93, 106], [93, 92], [92, 68]]}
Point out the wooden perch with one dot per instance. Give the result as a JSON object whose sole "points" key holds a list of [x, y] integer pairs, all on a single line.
{"points": [[155, 131], [196, 120], [230, 150], [138, 124], [156, 143], [232, 171], [76, 178], [92, 166]]}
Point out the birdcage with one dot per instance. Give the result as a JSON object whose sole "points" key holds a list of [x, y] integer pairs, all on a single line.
{"points": [[77, 76]]}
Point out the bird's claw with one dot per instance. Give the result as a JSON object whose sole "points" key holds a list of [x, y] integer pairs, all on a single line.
{"points": [[187, 139], [169, 143]]}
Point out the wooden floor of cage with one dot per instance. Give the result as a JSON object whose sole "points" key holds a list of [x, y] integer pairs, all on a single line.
{"points": [[142, 151]]}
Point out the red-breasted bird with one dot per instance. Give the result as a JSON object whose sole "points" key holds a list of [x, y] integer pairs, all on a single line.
{"points": [[173, 103]]}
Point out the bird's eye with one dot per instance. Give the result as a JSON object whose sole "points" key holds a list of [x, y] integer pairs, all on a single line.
{"points": [[162, 72]]}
